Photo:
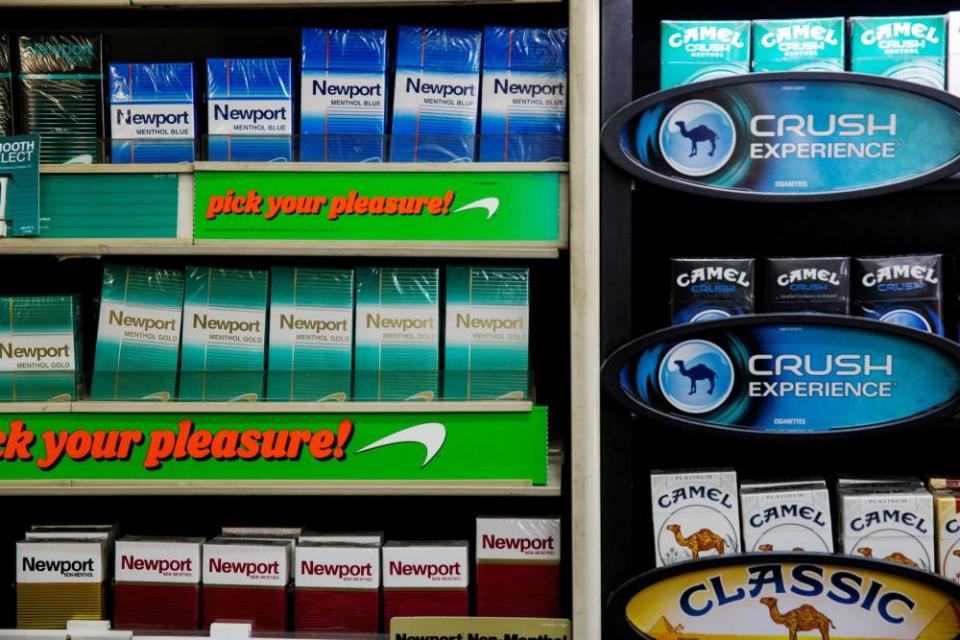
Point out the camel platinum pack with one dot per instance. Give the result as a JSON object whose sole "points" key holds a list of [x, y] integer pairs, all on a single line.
{"points": [[695, 514], [901, 290], [948, 534], [792, 517], [703, 50], [911, 48], [807, 285], [888, 522], [807, 44], [711, 288]]}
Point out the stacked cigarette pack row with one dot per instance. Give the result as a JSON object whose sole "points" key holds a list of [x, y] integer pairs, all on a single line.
{"points": [[702, 513], [280, 579]]}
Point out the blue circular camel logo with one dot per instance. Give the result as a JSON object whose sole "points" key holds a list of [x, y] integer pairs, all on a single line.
{"points": [[697, 137], [696, 376], [907, 318]]}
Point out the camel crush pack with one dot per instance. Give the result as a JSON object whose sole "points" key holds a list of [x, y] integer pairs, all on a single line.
{"points": [[901, 290], [696, 514], [807, 285], [703, 50], [711, 288], [910, 48], [806, 44], [786, 517]]}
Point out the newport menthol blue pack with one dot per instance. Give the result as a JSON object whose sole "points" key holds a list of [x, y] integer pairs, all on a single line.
{"points": [[901, 290], [6, 88], [138, 337], [223, 345], [437, 94], [703, 50], [806, 44], [249, 109], [911, 48], [343, 95], [711, 288], [152, 117], [524, 106], [806, 285]]}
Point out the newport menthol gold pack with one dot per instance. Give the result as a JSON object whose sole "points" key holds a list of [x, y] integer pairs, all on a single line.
{"points": [[138, 338], [947, 504], [703, 50], [39, 348], [888, 522], [696, 514], [59, 581], [807, 44], [311, 334], [910, 48], [786, 517]]}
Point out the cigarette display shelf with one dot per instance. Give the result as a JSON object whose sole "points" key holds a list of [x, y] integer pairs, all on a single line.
{"points": [[226, 4]]}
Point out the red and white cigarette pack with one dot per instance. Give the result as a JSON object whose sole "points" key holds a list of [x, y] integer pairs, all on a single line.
{"points": [[425, 579], [157, 583], [518, 568], [337, 587], [246, 581]]}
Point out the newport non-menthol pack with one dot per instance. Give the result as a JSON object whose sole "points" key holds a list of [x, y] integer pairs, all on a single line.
{"points": [[337, 587], [138, 337], [6, 88], [437, 95], [40, 348], [888, 522], [425, 579], [806, 285], [311, 334], [791, 517], [224, 334], [59, 581], [247, 580], [711, 288], [524, 106], [805, 44], [249, 109], [343, 95], [696, 514], [61, 95], [152, 117], [397, 341], [692, 51], [910, 48], [487, 333], [901, 290]]}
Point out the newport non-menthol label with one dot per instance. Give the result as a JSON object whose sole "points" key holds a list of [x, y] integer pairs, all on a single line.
{"points": [[246, 564], [160, 561], [337, 567], [520, 540], [426, 567], [60, 562]]}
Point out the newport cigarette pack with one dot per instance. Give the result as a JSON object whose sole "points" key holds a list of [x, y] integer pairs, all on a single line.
{"points": [[425, 579], [157, 583], [247, 580], [337, 587], [59, 581]]}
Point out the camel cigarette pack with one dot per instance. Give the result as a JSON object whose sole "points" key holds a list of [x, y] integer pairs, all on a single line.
{"points": [[337, 588], [711, 288], [436, 96], [397, 333], [157, 583], [807, 285], [947, 504], [152, 115], [518, 567], [703, 50], [249, 109], [343, 95], [245, 579], [6, 88], [59, 581], [487, 333], [786, 517], [524, 109], [425, 579], [61, 80], [224, 334], [311, 334], [138, 338], [888, 522], [40, 348], [807, 44], [901, 290], [953, 52], [910, 48], [696, 514]]}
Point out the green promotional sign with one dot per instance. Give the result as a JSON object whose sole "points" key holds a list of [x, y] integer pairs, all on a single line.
{"points": [[269, 447], [385, 206]]}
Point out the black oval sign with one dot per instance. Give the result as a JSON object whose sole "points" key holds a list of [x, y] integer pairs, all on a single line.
{"points": [[787, 374], [789, 136]]}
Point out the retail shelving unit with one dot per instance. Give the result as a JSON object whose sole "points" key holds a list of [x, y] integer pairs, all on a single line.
{"points": [[570, 262]]}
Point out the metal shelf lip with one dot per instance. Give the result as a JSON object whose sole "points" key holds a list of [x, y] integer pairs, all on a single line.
{"points": [[437, 406], [312, 167], [182, 167]]}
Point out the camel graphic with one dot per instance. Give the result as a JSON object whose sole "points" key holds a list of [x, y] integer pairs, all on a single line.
{"points": [[703, 540], [896, 556], [697, 372], [698, 134], [956, 552], [769, 547], [803, 618]]}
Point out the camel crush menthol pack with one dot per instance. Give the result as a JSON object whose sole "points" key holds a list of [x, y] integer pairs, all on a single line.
{"points": [[888, 522], [786, 517], [910, 48], [807, 44], [711, 288], [703, 50], [696, 514], [806, 285], [901, 290]]}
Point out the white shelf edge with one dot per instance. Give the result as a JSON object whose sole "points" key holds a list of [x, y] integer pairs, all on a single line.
{"points": [[114, 168], [311, 167], [437, 406], [307, 3]]}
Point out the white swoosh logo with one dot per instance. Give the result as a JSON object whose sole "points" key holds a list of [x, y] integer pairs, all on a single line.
{"points": [[431, 435], [490, 204]]}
